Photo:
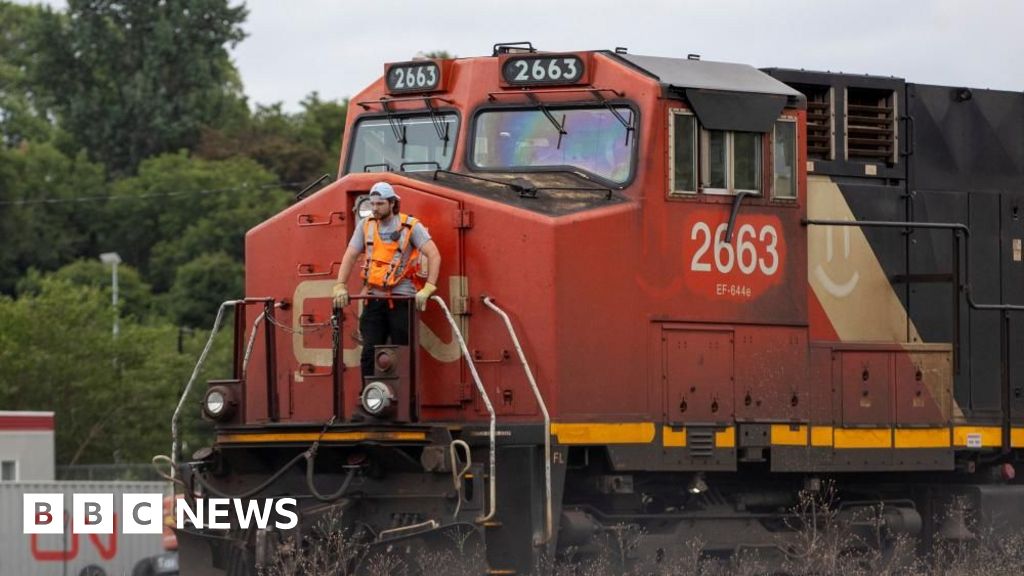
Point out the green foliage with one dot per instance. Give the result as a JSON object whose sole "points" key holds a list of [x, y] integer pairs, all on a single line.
{"points": [[202, 284], [134, 297], [297, 147], [179, 208], [113, 398], [21, 111], [42, 225], [134, 79]]}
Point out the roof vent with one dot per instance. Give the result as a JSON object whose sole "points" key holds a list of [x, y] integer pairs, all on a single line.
{"points": [[621, 50], [693, 56]]}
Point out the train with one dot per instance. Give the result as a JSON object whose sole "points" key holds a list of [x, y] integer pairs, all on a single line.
{"points": [[675, 296]]}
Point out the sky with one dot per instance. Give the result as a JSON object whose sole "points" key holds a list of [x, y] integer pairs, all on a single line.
{"points": [[338, 47]]}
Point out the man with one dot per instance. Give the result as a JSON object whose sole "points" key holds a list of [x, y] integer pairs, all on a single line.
{"points": [[393, 242]]}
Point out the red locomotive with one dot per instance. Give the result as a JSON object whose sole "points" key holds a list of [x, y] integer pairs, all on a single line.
{"points": [[673, 294]]}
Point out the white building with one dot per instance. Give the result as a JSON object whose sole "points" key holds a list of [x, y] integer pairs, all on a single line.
{"points": [[26, 446]]}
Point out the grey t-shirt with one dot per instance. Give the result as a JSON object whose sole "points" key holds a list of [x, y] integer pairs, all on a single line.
{"points": [[420, 236]]}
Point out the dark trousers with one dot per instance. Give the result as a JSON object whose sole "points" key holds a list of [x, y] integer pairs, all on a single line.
{"points": [[382, 320]]}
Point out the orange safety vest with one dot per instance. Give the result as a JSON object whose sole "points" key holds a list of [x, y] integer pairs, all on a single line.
{"points": [[388, 261]]}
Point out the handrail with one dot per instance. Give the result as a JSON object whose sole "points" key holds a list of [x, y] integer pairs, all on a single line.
{"points": [[252, 344], [548, 514], [487, 403], [175, 443]]}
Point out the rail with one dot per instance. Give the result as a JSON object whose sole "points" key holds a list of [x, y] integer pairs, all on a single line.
{"points": [[175, 441], [548, 514], [961, 234], [487, 402]]}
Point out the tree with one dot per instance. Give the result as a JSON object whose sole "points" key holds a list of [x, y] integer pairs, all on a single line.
{"points": [[179, 208], [134, 297], [45, 220], [202, 285], [133, 79], [297, 147], [22, 113], [111, 396]]}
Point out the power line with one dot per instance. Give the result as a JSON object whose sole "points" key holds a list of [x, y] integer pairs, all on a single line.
{"points": [[118, 198]]}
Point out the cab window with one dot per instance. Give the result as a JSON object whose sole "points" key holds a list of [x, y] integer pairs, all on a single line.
{"points": [[591, 140], [407, 143], [723, 162]]}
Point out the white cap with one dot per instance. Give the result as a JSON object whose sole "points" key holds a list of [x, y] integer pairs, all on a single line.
{"points": [[384, 190]]}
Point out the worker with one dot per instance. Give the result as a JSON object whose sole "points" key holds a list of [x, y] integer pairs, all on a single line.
{"points": [[393, 242]]}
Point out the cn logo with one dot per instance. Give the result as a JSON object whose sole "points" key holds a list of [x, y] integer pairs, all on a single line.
{"points": [[839, 289], [69, 551]]}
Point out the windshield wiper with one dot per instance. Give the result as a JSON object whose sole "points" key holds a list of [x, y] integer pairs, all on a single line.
{"points": [[397, 128], [560, 126], [627, 124], [440, 126]]}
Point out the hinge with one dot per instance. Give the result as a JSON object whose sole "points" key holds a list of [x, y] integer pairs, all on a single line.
{"points": [[464, 219]]}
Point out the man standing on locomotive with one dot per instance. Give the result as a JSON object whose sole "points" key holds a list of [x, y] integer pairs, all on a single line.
{"points": [[393, 242]]}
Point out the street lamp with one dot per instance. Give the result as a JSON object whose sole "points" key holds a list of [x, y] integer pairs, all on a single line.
{"points": [[113, 258]]}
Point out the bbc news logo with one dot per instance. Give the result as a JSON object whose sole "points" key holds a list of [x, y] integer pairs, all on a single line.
{"points": [[143, 513]]}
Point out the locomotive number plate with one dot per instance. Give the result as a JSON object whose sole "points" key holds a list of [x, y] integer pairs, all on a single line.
{"points": [[549, 69], [413, 77], [742, 268]]}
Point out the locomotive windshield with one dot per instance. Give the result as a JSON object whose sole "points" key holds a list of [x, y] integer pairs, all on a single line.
{"points": [[594, 140], [407, 143]]}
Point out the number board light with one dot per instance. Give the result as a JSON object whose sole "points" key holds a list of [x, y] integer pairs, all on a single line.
{"points": [[415, 76], [544, 69]]}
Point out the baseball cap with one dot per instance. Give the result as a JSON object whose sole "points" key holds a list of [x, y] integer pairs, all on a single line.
{"points": [[384, 190]]}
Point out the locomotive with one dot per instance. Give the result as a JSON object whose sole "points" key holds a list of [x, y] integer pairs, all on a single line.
{"points": [[674, 294]]}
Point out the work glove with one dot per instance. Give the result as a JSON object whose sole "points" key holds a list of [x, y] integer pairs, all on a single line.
{"points": [[340, 295], [423, 295]]}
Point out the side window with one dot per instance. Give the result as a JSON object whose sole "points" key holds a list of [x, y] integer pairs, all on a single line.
{"points": [[730, 161], [723, 162], [683, 143], [8, 471], [784, 164]]}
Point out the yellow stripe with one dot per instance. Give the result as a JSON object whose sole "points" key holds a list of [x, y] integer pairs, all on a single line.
{"points": [[673, 438], [991, 436], [863, 438], [785, 435], [603, 433], [328, 437], [922, 438], [1017, 437], [821, 436], [726, 438]]}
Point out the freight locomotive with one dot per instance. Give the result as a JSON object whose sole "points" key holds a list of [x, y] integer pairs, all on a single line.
{"points": [[674, 294]]}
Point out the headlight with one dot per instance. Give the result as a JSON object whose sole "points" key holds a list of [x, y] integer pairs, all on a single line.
{"points": [[376, 398], [218, 404], [362, 208]]}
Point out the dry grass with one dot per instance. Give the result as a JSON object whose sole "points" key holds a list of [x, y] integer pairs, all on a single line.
{"points": [[824, 540]]}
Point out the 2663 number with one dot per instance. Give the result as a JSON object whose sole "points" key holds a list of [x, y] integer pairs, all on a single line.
{"points": [[422, 77], [748, 256], [545, 70]]}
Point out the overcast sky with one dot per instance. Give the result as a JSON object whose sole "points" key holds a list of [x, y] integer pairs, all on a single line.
{"points": [[337, 47]]}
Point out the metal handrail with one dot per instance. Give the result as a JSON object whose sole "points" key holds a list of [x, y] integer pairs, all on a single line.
{"points": [[487, 403], [252, 344], [175, 443], [548, 514]]}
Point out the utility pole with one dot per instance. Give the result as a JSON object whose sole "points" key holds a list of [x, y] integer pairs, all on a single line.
{"points": [[113, 259]]}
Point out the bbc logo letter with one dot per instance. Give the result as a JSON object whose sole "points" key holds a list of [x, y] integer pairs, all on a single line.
{"points": [[92, 514], [43, 513], [143, 513]]}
